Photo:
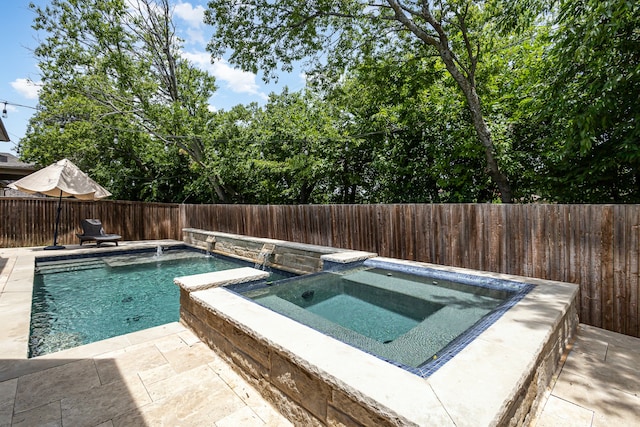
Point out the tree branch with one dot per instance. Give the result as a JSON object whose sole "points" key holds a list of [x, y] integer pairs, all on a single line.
{"points": [[471, 70], [411, 25]]}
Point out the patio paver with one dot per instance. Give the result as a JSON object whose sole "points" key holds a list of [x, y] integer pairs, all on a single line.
{"points": [[169, 380], [599, 384]]}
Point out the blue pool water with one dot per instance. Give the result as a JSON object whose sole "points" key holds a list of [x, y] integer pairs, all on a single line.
{"points": [[77, 302]]}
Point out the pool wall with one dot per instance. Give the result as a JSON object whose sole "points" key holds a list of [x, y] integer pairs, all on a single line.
{"points": [[497, 379]]}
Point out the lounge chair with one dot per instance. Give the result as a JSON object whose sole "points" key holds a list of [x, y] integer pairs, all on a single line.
{"points": [[93, 231]]}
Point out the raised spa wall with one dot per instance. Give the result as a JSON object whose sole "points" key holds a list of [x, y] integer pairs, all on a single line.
{"points": [[312, 379], [293, 257]]}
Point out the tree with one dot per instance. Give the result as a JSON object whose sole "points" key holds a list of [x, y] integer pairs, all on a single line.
{"points": [[421, 143], [418, 130], [590, 102], [135, 95], [291, 144], [263, 34]]}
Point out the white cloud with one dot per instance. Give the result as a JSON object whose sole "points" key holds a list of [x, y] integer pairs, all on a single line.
{"points": [[237, 80], [234, 79], [27, 88], [199, 59], [194, 16], [195, 36]]}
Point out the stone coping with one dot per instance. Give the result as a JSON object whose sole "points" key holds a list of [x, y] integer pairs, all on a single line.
{"points": [[348, 257], [216, 279], [293, 257], [477, 387]]}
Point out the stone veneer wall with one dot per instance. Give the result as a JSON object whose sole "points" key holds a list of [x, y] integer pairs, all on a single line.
{"points": [[301, 396], [522, 410], [289, 256]]}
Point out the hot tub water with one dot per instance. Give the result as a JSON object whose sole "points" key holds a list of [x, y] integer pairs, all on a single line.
{"points": [[401, 317]]}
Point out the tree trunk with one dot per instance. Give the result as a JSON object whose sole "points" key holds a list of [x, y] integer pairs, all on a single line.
{"points": [[465, 82], [222, 195], [482, 130], [485, 139]]}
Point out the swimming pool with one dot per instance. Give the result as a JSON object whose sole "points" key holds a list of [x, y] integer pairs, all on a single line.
{"points": [[82, 300]]}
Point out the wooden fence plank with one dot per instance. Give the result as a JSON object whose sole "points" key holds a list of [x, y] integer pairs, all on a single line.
{"points": [[620, 259], [606, 266], [632, 284], [594, 248]]}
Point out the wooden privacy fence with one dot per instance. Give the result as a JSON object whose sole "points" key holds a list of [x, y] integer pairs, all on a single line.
{"points": [[30, 221], [595, 246]]}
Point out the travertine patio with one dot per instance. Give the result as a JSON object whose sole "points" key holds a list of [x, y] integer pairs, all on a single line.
{"points": [[599, 384], [166, 376], [160, 376]]}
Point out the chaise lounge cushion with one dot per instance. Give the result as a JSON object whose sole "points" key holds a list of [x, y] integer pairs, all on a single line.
{"points": [[93, 231]]}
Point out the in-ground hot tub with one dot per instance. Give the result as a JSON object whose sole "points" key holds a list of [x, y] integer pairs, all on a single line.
{"points": [[489, 376], [417, 318]]}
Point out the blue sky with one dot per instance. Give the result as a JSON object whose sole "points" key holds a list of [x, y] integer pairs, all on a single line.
{"points": [[19, 73]]}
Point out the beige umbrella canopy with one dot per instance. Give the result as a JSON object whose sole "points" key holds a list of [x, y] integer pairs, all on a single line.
{"points": [[61, 179]]}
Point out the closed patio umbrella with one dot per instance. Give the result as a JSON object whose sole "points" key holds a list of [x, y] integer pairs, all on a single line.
{"points": [[61, 179]]}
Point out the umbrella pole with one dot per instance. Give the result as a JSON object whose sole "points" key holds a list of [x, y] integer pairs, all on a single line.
{"points": [[55, 230]]}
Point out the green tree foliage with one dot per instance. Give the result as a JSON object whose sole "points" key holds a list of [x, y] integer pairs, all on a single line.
{"points": [[264, 34], [422, 143], [591, 102], [119, 100], [392, 112], [282, 153], [416, 140], [290, 154]]}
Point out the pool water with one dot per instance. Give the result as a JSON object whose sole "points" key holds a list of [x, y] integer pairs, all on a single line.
{"points": [[80, 301], [400, 317], [368, 319]]}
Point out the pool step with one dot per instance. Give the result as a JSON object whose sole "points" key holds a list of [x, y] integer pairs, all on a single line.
{"points": [[149, 258], [53, 267], [417, 288], [424, 287]]}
